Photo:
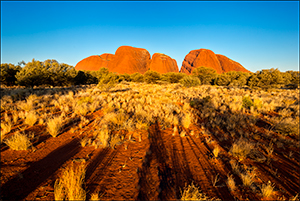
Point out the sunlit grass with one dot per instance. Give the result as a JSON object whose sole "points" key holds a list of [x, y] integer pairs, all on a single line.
{"points": [[18, 142], [70, 185]]}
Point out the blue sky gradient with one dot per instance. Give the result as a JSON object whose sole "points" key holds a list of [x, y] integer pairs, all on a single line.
{"points": [[259, 35]]}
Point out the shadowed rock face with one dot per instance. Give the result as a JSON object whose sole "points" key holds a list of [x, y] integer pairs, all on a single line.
{"points": [[94, 63], [163, 63], [129, 60], [207, 58]]}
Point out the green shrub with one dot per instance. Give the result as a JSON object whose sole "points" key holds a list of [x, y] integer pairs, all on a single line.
{"points": [[125, 77], [222, 80], [47, 73], [247, 102], [137, 77], [8, 73], [151, 77], [109, 81], [172, 77], [205, 75], [190, 81]]}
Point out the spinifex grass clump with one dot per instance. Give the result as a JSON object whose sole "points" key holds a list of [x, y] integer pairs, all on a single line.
{"points": [[267, 190], [241, 149], [18, 142], [31, 118], [54, 125], [192, 192], [6, 127], [70, 185]]}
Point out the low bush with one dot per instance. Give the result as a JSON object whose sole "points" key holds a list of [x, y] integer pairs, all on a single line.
{"points": [[151, 77], [247, 102], [137, 77], [190, 81]]}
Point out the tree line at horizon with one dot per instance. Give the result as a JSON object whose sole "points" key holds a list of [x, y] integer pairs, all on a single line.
{"points": [[52, 73]]}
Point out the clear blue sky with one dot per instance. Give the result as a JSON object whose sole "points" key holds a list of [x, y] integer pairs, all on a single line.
{"points": [[259, 35]]}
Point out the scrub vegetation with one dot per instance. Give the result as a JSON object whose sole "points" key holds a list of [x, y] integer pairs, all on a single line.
{"points": [[169, 132]]}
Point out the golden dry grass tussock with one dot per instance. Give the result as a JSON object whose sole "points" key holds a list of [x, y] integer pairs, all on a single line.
{"points": [[192, 192], [70, 185], [54, 125], [18, 142]]}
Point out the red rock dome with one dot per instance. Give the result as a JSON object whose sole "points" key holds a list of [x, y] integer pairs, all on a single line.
{"points": [[95, 62], [230, 65], [207, 58], [129, 60], [163, 63]]}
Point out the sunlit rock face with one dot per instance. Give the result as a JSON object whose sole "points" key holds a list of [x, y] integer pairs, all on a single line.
{"points": [[207, 58], [230, 65], [130, 60], [163, 63], [95, 62]]}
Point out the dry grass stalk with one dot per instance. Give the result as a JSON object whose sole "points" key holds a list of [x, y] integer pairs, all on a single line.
{"points": [[231, 183], [192, 192], [18, 142], [70, 185], [6, 127], [235, 166], [267, 190], [15, 117], [175, 130], [84, 141], [187, 121], [27, 106], [103, 136], [216, 152], [95, 197], [182, 133], [247, 179]]}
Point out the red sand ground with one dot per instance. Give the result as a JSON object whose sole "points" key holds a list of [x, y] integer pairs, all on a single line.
{"points": [[158, 167]]}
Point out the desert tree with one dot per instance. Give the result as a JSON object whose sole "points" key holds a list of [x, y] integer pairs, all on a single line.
{"points": [[34, 73], [137, 77], [206, 75], [190, 81], [151, 77], [8, 74], [172, 77]]}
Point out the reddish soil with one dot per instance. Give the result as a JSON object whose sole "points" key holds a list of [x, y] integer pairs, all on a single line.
{"points": [[157, 167]]}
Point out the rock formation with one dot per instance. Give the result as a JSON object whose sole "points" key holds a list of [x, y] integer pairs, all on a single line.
{"points": [[95, 62], [163, 63], [129, 60], [207, 58], [230, 65]]}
